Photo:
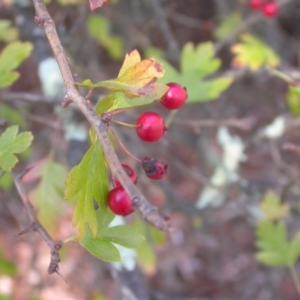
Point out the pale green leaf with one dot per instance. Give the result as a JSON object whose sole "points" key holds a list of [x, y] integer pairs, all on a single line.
{"points": [[127, 236], [253, 53], [11, 58], [102, 248], [88, 182], [13, 55], [12, 143], [48, 194], [100, 245], [272, 208], [273, 247]]}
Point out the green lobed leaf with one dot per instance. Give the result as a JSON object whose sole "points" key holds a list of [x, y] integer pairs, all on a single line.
{"points": [[88, 182], [12, 143], [253, 53], [48, 194], [273, 247], [197, 62], [102, 245], [11, 58]]}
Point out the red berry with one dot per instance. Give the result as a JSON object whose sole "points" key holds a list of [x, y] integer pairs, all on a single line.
{"points": [[256, 4], [154, 169], [270, 9], [175, 97], [130, 172], [119, 201], [150, 127]]}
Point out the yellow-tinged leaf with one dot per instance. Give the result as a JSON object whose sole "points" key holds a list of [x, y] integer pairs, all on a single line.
{"points": [[253, 53], [272, 208], [131, 59], [137, 78]]}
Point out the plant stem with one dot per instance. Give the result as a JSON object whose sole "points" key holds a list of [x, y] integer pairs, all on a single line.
{"points": [[125, 124], [148, 211], [295, 278], [123, 146]]}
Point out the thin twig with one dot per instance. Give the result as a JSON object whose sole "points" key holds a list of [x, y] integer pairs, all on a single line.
{"points": [[35, 225], [148, 211], [27, 97], [173, 47], [242, 124]]}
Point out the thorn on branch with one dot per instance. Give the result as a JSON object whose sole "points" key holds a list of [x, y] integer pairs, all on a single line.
{"points": [[31, 227], [36, 226], [67, 100]]}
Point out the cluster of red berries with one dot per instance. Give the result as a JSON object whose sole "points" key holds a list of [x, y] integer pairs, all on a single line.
{"points": [[150, 127], [269, 8]]}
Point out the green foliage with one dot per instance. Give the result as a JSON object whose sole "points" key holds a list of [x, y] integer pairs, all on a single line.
{"points": [[12, 143], [146, 255], [6, 266], [197, 62], [11, 115], [99, 29], [47, 195], [11, 58], [6, 181], [135, 86], [274, 248], [8, 33], [253, 53], [293, 99], [102, 245], [272, 208], [88, 182], [228, 25]]}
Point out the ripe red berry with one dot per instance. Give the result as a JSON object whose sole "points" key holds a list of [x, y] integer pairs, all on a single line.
{"points": [[175, 97], [270, 9], [130, 172], [150, 127], [154, 169], [119, 201], [256, 4]]}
